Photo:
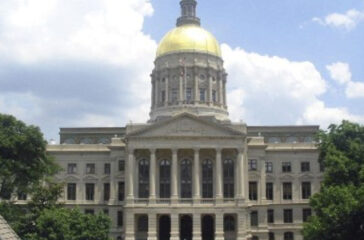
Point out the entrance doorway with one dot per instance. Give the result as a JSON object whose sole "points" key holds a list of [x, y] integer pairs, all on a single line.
{"points": [[208, 227], [164, 230], [185, 227]]}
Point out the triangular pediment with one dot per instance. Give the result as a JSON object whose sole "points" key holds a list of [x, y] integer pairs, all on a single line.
{"points": [[72, 179], [186, 125]]}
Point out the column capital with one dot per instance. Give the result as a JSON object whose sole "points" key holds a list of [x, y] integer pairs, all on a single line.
{"points": [[174, 150], [152, 150], [196, 149], [241, 150], [131, 150], [218, 150]]}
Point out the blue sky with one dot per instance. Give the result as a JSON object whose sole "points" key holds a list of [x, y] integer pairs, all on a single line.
{"points": [[87, 62]]}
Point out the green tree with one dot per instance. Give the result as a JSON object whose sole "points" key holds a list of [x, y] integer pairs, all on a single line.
{"points": [[339, 206], [24, 161], [70, 224]]}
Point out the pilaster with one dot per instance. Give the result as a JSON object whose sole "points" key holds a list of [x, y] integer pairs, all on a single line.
{"points": [[197, 227], [219, 173], [174, 226], [130, 178], [129, 226], [174, 175], [196, 176], [152, 226], [152, 176], [219, 226]]}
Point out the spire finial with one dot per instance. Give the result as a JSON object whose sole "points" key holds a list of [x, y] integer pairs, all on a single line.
{"points": [[188, 13]]}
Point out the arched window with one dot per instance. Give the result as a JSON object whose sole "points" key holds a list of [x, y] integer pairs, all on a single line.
{"points": [[229, 223], [143, 223], [229, 178], [165, 179], [288, 236], [143, 178], [207, 179], [186, 179]]}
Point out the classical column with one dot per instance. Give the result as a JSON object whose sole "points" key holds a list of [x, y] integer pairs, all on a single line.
{"points": [[219, 173], [197, 226], [166, 91], [153, 95], [174, 226], [219, 226], [129, 226], [209, 95], [130, 179], [174, 174], [262, 180], [196, 85], [156, 92], [196, 175], [181, 92], [221, 94], [152, 226], [242, 171], [152, 176]]}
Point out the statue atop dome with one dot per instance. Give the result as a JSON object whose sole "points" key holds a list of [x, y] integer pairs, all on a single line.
{"points": [[188, 13]]}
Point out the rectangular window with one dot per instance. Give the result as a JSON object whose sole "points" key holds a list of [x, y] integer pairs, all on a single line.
{"points": [[90, 211], [254, 218], [305, 166], [174, 95], [120, 219], [287, 191], [90, 191], [306, 214], [270, 216], [252, 164], [286, 167], [202, 95], [106, 191], [188, 94], [72, 168], [269, 191], [288, 216], [71, 191], [253, 191], [106, 211], [107, 168], [121, 165], [121, 191], [22, 196], [90, 168], [271, 236], [268, 167], [306, 190], [214, 98]]}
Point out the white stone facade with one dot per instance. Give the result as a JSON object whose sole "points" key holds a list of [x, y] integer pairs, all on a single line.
{"points": [[189, 173]]}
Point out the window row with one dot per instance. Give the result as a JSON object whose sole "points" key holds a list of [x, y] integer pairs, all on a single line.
{"points": [[185, 168], [174, 95], [287, 191], [91, 168], [286, 166], [90, 191], [287, 216]]}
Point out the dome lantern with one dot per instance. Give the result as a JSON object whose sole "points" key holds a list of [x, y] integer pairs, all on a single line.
{"points": [[188, 13]]}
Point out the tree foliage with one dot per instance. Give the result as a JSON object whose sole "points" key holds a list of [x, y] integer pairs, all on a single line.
{"points": [[339, 206], [24, 161]]}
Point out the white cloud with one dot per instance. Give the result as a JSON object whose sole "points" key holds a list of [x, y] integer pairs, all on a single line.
{"points": [[355, 90], [348, 20], [80, 62], [319, 113], [275, 90], [340, 72]]}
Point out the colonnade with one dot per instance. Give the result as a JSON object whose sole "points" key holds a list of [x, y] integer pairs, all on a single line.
{"points": [[240, 173]]}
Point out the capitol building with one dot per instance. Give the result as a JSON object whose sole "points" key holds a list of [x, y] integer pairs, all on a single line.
{"points": [[190, 173]]}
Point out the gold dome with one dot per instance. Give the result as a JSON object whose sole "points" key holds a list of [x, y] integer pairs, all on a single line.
{"points": [[190, 38]]}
